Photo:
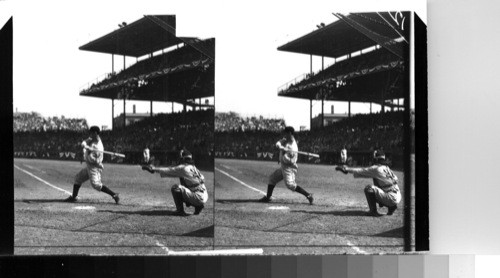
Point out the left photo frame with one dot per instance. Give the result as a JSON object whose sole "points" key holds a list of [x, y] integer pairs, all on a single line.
{"points": [[123, 164]]}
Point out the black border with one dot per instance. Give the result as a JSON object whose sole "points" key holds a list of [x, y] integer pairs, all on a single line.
{"points": [[6, 140], [421, 138]]}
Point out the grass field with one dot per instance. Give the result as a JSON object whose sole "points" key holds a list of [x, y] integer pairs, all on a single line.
{"points": [[336, 223], [141, 224]]}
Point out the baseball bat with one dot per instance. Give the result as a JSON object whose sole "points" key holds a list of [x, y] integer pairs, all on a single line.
{"points": [[303, 153], [106, 152]]}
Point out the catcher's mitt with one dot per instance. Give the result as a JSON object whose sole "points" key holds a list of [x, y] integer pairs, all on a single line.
{"points": [[342, 169], [148, 168]]}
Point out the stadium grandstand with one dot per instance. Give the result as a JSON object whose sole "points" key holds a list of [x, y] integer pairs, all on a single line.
{"points": [[370, 51], [167, 69], [370, 55]]}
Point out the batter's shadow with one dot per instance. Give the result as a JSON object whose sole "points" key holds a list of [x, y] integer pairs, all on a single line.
{"points": [[41, 201], [336, 212]]}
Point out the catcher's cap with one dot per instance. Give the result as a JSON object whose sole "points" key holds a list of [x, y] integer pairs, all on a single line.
{"points": [[289, 129], [95, 129], [380, 155], [186, 153], [186, 157]]}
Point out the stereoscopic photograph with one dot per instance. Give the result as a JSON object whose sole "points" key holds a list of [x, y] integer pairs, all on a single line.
{"points": [[113, 132]]}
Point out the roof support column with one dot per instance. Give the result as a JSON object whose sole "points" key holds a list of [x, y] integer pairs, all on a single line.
{"points": [[123, 61], [322, 62], [370, 108], [172, 107], [112, 63], [113, 114], [310, 114], [349, 109], [322, 113], [151, 108], [124, 114], [311, 64]]}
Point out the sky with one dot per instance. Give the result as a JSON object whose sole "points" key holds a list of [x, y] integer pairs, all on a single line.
{"points": [[50, 71]]}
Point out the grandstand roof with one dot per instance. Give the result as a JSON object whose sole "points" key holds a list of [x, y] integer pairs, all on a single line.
{"points": [[141, 37], [346, 35]]}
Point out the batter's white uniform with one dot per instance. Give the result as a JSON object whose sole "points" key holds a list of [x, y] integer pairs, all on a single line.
{"points": [[93, 161], [343, 156], [288, 161], [145, 155], [193, 190], [385, 183]]}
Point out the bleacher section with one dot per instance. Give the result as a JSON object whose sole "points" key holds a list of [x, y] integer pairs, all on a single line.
{"points": [[162, 133], [361, 133]]}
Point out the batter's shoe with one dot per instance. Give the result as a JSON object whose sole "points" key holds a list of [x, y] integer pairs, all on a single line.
{"points": [[391, 210], [116, 197], [198, 209], [310, 198], [265, 199], [71, 199]]}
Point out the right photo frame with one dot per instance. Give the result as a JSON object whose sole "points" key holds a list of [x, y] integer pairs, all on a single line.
{"points": [[334, 167]]}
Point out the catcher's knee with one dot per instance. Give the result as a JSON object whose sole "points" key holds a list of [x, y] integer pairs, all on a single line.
{"points": [[369, 189], [175, 188]]}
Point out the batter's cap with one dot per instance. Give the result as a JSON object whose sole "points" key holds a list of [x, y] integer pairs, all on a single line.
{"points": [[289, 129], [95, 129]]}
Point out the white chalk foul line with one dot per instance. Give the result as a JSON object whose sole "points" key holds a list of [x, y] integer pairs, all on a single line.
{"points": [[255, 251], [33, 168], [47, 183], [357, 249], [242, 183]]}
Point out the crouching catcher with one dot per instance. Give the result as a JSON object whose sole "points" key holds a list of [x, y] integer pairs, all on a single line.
{"points": [[191, 189], [384, 191]]}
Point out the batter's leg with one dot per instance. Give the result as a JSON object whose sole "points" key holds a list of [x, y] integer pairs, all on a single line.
{"points": [[274, 178]]}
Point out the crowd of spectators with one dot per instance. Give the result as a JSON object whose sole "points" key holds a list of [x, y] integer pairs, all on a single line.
{"points": [[361, 132], [233, 122], [163, 132], [35, 122]]}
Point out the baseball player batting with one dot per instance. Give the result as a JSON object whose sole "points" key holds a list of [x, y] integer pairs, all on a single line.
{"points": [[191, 189], [384, 191], [288, 170], [92, 154]]}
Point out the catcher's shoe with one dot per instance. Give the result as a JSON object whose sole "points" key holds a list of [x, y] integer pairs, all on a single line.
{"points": [[198, 209], [181, 213], [265, 199], [310, 198], [374, 213], [71, 199], [391, 210], [116, 197]]}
